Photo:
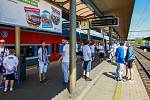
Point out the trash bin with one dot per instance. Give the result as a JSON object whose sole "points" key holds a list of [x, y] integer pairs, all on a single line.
{"points": [[22, 66]]}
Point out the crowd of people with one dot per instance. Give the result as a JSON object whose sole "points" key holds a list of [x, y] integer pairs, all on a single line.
{"points": [[123, 55], [120, 53], [8, 66], [87, 52]]}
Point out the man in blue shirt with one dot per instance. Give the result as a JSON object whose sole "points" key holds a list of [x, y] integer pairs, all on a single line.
{"points": [[120, 61]]}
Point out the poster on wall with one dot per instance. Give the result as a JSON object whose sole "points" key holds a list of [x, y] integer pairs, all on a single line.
{"points": [[37, 14]]}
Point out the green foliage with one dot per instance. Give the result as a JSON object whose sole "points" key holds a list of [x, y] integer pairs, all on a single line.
{"points": [[139, 41]]}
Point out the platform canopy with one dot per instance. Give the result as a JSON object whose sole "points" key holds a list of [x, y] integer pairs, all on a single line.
{"points": [[117, 8], [99, 8]]}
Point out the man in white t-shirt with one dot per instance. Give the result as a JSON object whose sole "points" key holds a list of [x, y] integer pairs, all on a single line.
{"points": [[64, 59], [92, 50], [43, 62], [3, 53], [10, 64], [87, 61], [101, 51]]}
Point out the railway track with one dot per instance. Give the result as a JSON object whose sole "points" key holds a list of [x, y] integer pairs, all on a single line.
{"points": [[143, 66]]}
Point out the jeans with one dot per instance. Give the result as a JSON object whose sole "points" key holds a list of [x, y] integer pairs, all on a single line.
{"points": [[65, 70], [87, 66], [119, 70]]}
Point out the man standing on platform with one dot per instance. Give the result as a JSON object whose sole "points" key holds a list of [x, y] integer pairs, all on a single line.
{"points": [[87, 61], [65, 61], [120, 61], [43, 62], [3, 53], [130, 57]]}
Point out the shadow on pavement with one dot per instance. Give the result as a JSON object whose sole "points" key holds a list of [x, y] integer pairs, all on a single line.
{"points": [[31, 89], [109, 74]]}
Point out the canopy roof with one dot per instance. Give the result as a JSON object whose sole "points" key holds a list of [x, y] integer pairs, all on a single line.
{"points": [[98, 8], [118, 8]]}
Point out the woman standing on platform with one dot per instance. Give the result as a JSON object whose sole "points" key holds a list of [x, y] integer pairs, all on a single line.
{"points": [[130, 56]]}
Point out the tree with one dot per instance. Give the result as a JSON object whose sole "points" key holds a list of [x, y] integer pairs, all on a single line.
{"points": [[138, 41]]}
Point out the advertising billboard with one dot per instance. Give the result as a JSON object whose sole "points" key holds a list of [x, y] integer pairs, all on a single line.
{"points": [[37, 14]]}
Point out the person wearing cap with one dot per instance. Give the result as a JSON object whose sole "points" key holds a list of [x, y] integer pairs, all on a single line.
{"points": [[10, 64], [64, 60], [3, 53]]}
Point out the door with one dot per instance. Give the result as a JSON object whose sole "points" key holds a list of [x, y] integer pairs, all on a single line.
{"points": [[55, 51]]}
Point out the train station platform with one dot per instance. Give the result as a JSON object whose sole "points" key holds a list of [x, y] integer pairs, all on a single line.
{"points": [[108, 89], [103, 86], [32, 89]]}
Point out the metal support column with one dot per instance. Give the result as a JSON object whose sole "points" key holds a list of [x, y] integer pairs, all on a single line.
{"points": [[17, 48], [89, 37], [17, 39], [110, 36], [72, 83], [102, 34], [89, 32]]}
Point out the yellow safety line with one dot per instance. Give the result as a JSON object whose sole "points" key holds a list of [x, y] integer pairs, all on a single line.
{"points": [[117, 95]]}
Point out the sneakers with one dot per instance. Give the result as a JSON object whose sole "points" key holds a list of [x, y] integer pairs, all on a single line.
{"points": [[5, 90], [65, 83], [44, 81], [11, 89], [41, 82], [131, 80], [125, 77]]}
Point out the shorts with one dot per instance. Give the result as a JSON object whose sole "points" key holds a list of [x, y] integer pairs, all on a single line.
{"points": [[101, 55], [10, 76], [87, 65], [130, 65], [42, 67]]}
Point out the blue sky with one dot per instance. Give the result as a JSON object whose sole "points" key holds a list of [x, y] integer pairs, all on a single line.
{"points": [[140, 23]]}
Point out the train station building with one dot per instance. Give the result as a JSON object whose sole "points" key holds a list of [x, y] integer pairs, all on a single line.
{"points": [[25, 23]]}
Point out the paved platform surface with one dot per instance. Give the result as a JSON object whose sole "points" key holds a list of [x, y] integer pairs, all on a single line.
{"points": [[103, 86], [106, 88], [31, 89], [134, 90]]}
